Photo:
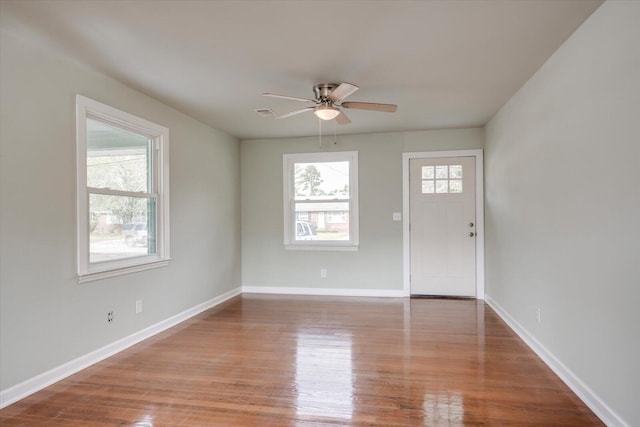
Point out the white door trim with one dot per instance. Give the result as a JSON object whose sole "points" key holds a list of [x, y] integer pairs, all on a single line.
{"points": [[406, 253]]}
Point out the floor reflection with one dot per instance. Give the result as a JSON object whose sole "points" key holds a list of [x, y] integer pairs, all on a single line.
{"points": [[147, 421], [324, 376], [447, 407]]}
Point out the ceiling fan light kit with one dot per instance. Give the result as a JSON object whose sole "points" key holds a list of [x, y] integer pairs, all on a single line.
{"points": [[328, 99], [326, 112]]}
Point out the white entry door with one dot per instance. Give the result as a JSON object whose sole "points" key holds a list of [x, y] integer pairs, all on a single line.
{"points": [[442, 226]]}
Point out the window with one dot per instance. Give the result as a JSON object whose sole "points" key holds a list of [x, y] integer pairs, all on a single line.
{"points": [[122, 192], [442, 179], [321, 200]]}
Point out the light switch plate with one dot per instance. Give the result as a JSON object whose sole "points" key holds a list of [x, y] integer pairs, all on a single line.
{"points": [[397, 216]]}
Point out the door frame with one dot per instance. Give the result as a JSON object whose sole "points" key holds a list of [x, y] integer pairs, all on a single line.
{"points": [[406, 248]]}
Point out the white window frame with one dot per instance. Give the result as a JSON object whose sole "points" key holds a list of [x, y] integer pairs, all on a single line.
{"points": [[288, 162], [87, 271]]}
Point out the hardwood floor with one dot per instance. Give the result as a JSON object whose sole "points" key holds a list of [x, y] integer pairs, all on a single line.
{"points": [[262, 360]]}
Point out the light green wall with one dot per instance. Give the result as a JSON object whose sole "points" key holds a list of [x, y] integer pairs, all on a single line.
{"points": [[562, 171], [377, 265], [46, 317]]}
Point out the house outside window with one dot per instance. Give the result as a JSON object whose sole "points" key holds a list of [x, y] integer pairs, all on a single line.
{"points": [[122, 191], [321, 200], [337, 217]]}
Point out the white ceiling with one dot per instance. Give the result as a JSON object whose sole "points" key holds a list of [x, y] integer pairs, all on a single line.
{"points": [[446, 64]]}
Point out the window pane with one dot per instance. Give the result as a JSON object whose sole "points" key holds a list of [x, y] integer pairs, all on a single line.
{"points": [[428, 187], [322, 221], [455, 171], [442, 186], [321, 180], [120, 227], [427, 172], [442, 172], [455, 186], [117, 159]]}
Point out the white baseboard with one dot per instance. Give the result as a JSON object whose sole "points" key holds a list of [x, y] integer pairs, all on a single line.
{"points": [[601, 409], [37, 383], [324, 291]]}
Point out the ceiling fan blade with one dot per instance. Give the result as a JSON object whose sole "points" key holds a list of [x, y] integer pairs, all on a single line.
{"points": [[373, 106], [342, 91], [273, 95], [293, 113], [342, 119]]}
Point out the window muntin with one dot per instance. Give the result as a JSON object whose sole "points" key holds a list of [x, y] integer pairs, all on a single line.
{"points": [[321, 200], [122, 191]]}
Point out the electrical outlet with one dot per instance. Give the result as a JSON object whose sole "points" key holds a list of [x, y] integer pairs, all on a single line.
{"points": [[538, 315], [139, 306], [110, 317], [323, 273]]}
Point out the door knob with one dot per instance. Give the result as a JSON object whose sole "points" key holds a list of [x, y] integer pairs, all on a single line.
{"points": [[472, 234], [470, 224]]}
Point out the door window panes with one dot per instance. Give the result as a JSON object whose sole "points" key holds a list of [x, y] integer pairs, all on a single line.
{"points": [[442, 172], [455, 186], [428, 172], [442, 179]]}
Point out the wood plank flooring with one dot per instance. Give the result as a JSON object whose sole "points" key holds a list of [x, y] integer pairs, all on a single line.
{"points": [[264, 360]]}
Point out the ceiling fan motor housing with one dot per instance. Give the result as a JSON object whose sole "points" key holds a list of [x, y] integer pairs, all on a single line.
{"points": [[323, 90]]}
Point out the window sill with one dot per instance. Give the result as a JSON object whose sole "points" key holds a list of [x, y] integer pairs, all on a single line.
{"points": [[99, 275], [320, 248]]}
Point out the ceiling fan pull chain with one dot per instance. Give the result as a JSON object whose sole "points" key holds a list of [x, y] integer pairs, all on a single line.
{"points": [[320, 133], [335, 138]]}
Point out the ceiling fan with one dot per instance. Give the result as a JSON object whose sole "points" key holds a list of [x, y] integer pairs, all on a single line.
{"points": [[328, 98]]}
